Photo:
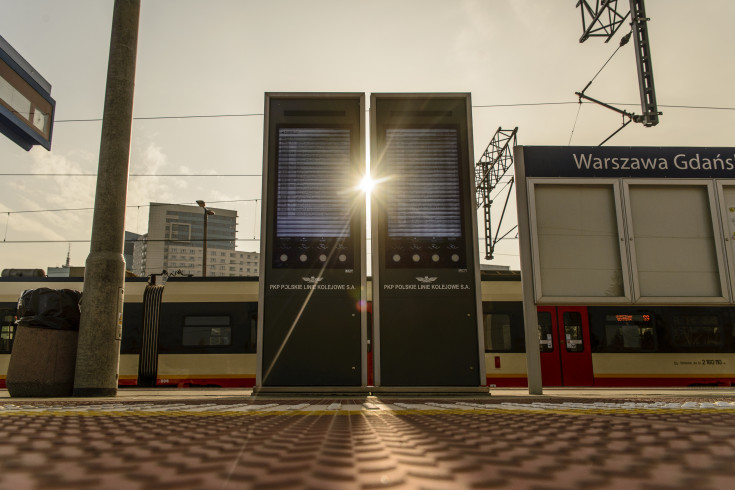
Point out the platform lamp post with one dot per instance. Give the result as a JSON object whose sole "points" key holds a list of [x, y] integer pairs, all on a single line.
{"points": [[207, 213]]}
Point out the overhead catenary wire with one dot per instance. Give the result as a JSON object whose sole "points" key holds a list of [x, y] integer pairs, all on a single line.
{"points": [[91, 208], [169, 240], [153, 118], [210, 116], [499, 191], [631, 117], [625, 123], [477, 106], [129, 206], [623, 41], [131, 175], [576, 118], [255, 114]]}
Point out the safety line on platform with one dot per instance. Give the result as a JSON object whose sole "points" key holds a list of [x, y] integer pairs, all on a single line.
{"points": [[211, 409]]}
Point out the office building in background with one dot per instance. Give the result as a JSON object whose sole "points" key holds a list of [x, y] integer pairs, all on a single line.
{"points": [[174, 243]]}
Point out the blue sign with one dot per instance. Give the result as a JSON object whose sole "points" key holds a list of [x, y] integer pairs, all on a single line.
{"points": [[26, 106], [629, 161]]}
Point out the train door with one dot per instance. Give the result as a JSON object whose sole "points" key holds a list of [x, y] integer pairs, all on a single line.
{"points": [[564, 346], [574, 345], [549, 347]]}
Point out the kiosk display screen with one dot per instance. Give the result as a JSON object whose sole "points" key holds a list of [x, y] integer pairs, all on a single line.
{"points": [[312, 201], [423, 198]]}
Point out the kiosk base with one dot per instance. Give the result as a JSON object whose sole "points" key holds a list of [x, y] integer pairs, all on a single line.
{"points": [[357, 391]]}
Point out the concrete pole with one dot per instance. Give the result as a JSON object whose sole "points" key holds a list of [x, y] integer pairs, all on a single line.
{"points": [[530, 311], [100, 329], [204, 245]]}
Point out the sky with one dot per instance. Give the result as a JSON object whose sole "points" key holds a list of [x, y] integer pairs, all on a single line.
{"points": [[521, 60]]}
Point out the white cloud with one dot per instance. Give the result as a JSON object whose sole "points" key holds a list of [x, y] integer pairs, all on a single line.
{"points": [[147, 157]]}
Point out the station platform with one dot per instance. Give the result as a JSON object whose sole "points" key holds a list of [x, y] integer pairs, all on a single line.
{"points": [[230, 439]]}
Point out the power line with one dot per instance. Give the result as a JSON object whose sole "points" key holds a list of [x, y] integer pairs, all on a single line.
{"points": [[131, 175], [575, 122], [128, 206], [522, 104], [507, 183], [693, 107], [479, 106], [670, 106], [675, 106], [215, 116], [151, 118], [147, 240], [623, 42]]}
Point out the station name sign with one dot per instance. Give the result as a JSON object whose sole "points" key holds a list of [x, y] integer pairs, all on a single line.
{"points": [[26, 106], [620, 161]]}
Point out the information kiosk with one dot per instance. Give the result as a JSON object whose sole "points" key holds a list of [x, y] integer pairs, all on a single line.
{"points": [[312, 326], [426, 307]]}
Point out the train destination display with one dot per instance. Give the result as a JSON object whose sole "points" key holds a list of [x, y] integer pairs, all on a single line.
{"points": [[422, 204], [312, 327], [425, 265], [313, 207]]}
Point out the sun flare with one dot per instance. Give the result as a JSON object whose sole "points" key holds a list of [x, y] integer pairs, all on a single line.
{"points": [[367, 185]]}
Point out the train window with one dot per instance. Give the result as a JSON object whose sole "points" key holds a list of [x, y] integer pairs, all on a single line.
{"points": [[7, 331], [625, 332], [545, 339], [497, 332], [573, 331], [697, 331], [207, 331]]}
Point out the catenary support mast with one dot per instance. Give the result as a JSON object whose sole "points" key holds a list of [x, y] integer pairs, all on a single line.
{"points": [[100, 328], [643, 62], [489, 170]]}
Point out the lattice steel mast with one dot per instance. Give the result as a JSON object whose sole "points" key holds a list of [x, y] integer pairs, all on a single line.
{"points": [[643, 60], [489, 170], [603, 21]]}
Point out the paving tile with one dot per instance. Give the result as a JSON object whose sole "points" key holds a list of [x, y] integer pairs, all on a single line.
{"points": [[430, 444], [18, 480]]}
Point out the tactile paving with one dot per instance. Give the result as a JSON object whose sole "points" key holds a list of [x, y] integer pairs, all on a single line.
{"points": [[369, 444]]}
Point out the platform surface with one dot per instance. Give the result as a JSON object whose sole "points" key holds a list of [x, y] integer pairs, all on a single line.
{"points": [[224, 438]]}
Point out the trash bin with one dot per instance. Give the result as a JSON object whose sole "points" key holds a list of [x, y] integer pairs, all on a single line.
{"points": [[44, 351]]}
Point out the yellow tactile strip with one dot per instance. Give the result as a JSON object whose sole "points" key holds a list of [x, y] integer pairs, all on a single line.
{"points": [[289, 445], [319, 407]]}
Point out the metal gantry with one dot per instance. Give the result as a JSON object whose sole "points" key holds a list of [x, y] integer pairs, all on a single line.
{"points": [[489, 170], [603, 21], [643, 60]]}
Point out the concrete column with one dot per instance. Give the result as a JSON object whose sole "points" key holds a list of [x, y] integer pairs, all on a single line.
{"points": [[204, 245], [100, 330], [530, 311]]}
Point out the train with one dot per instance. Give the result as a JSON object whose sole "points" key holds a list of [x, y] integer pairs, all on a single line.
{"points": [[202, 332]]}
